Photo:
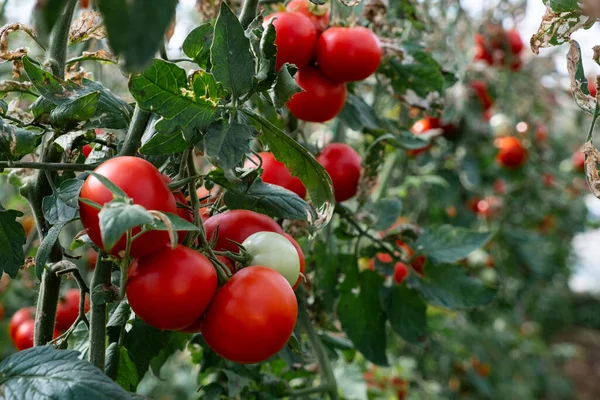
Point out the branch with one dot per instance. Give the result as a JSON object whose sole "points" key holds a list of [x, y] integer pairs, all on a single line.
{"points": [[100, 281], [248, 12], [83, 290], [138, 124], [57, 52]]}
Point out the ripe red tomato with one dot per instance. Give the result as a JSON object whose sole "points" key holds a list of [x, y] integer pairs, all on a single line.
{"points": [[423, 126], [170, 289], [592, 86], [251, 317], [302, 260], [91, 258], [23, 336], [86, 150], [206, 196], [384, 258], [276, 173], [514, 41], [319, 15], [418, 262], [342, 163], [400, 272], [22, 315], [511, 153], [578, 160], [348, 54], [480, 89], [487, 207], [321, 100], [296, 38], [67, 310], [143, 183], [237, 225]]}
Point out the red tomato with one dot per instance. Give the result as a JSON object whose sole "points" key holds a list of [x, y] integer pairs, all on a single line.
{"points": [[511, 153], [418, 263], [348, 54], [206, 197], [481, 91], [400, 272], [91, 258], [482, 54], [170, 289], [302, 260], [423, 126], [23, 336], [22, 315], [487, 207], [514, 41], [319, 15], [578, 160], [86, 150], [67, 310], [251, 317], [342, 163], [181, 212], [276, 173], [296, 38], [321, 99], [592, 86], [237, 225], [143, 183], [384, 258]]}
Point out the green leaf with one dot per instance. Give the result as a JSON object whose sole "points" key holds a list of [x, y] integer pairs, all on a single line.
{"points": [[266, 74], [12, 240], [261, 197], [178, 223], [197, 44], [42, 372], [163, 88], [579, 82], [285, 85], [363, 319], [358, 115], [164, 143], [127, 376], [302, 164], [232, 62], [62, 205], [111, 111], [402, 140], [114, 189], [17, 142], [144, 343], [557, 27], [116, 218], [66, 115], [236, 383], [226, 144], [136, 28], [66, 141], [564, 5], [449, 244], [386, 212], [449, 286], [326, 274], [43, 253], [406, 312]]}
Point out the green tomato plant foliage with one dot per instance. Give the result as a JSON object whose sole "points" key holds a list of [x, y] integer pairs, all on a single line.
{"points": [[486, 245]]}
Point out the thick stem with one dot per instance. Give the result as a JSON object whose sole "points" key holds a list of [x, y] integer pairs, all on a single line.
{"points": [[248, 12], [57, 52], [46, 308], [139, 121], [100, 281]]}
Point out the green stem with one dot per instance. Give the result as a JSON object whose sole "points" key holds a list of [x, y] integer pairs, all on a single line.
{"points": [[138, 124], [49, 166], [248, 12], [57, 52], [386, 175], [590, 136], [100, 281], [46, 308], [330, 384]]}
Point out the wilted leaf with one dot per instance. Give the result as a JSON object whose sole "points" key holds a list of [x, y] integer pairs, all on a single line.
{"points": [[556, 28]]}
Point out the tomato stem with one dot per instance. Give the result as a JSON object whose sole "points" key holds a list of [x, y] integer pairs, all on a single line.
{"points": [[248, 12], [138, 124], [100, 280]]}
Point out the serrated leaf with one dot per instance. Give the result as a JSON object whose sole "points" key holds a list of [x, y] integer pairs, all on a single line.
{"points": [[163, 88], [43, 373], [363, 319], [449, 286], [43, 253], [556, 28], [285, 86], [232, 62], [12, 240], [449, 244], [302, 164], [62, 205], [116, 218], [17, 142], [68, 114], [406, 312], [226, 144], [386, 212], [136, 28], [197, 44]]}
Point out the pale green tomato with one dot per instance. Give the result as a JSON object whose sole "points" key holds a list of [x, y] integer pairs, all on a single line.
{"points": [[276, 252]]}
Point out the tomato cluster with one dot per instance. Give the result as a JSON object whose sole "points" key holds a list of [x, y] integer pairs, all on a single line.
{"points": [[326, 58], [496, 46]]}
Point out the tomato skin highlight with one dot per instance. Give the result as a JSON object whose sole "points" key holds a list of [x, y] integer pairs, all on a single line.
{"points": [[237, 225], [296, 38], [321, 100], [511, 153], [276, 173], [67, 309], [170, 289], [302, 260], [251, 317], [144, 184], [348, 54], [22, 315], [343, 164], [319, 15]]}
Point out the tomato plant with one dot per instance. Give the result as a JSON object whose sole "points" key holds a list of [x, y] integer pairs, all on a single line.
{"points": [[275, 251], [318, 14], [343, 164], [296, 38], [275, 172]]}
